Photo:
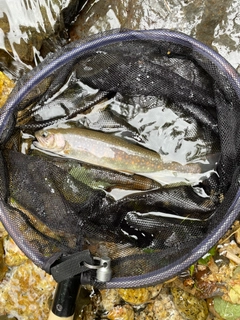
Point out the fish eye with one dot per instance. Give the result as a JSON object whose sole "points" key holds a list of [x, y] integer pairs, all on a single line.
{"points": [[44, 134]]}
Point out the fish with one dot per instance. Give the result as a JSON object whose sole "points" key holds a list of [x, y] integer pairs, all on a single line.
{"points": [[106, 150]]}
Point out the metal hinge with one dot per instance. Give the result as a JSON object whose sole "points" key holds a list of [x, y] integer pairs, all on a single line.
{"points": [[78, 263]]}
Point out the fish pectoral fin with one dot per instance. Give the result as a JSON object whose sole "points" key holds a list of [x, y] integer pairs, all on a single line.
{"points": [[67, 149], [66, 152]]}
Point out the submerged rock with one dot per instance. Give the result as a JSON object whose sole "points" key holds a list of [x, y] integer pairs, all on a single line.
{"points": [[125, 312], [139, 296], [6, 86], [3, 266], [188, 305], [26, 28], [215, 23]]}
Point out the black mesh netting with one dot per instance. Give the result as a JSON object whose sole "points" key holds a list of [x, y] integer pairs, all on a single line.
{"points": [[158, 205]]}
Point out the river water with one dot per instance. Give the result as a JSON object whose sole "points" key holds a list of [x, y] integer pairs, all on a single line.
{"points": [[30, 29], [215, 23]]}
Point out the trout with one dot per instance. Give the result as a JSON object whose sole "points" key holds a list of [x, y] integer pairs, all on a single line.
{"points": [[105, 150]]}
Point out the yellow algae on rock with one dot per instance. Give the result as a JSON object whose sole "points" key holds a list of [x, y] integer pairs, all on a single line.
{"points": [[25, 289], [161, 308], [3, 266], [6, 86], [124, 312], [135, 296], [139, 295], [3, 232], [188, 305], [13, 255], [234, 294], [25, 292], [110, 298]]}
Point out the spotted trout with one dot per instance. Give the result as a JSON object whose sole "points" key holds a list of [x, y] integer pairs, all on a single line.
{"points": [[106, 150]]}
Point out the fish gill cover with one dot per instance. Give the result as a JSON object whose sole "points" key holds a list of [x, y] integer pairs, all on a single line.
{"points": [[125, 144]]}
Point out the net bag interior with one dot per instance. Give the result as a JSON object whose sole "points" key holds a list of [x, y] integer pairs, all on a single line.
{"points": [[160, 92]]}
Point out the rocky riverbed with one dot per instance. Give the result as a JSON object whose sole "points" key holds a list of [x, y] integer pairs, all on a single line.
{"points": [[208, 290]]}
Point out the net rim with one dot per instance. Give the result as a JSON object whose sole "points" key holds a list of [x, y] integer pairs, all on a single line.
{"points": [[167, 272], [175, 37], [161, 274]]}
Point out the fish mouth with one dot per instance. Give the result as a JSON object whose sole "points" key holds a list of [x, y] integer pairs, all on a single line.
{"points": [[43, 142], [37, 144]]}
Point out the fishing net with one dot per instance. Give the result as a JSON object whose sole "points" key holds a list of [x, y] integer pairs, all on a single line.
{"points": [[160, 92]]}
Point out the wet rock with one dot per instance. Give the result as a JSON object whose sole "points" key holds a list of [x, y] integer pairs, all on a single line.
{"points": [[13, 255], [26, 27], [121, 313], [87, 304], [226, 38], [162, 308], [6, 86], [188, 305], [140, 295], [215, 23], [3, 266], [25, 292], [110, 298]]}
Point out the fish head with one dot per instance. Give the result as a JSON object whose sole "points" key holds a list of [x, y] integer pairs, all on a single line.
{"points": [[49, 140]]}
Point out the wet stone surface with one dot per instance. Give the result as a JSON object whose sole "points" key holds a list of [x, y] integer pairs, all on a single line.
{"points": [[28, 31], [27, 38], [215, 23]]}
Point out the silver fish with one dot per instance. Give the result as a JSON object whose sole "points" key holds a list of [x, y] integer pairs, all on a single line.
{"points": [[107, 151]]}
